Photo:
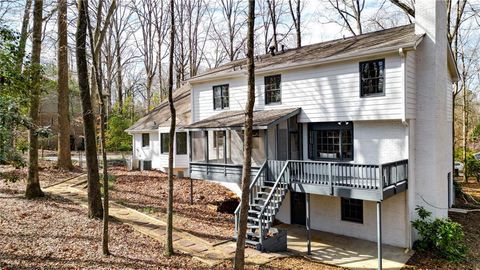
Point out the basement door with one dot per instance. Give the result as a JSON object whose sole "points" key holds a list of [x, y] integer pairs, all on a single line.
{"points": [[298, 208]]}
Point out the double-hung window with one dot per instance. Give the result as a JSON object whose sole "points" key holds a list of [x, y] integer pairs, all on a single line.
{"points": [[164, 142], [273, 92], [181, 143], [220, 97], [330, 141], [372, 78]]}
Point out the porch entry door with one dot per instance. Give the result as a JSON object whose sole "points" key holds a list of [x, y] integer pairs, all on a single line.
{"points": [[298, 208]]}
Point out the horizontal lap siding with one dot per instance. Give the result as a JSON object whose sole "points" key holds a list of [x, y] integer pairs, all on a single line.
{"points": [[325, 93], [411, 86], [449, 95]]}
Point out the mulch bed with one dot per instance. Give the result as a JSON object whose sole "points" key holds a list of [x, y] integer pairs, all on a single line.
{"points": [[53, 233], [147, 191], [428, 260]]}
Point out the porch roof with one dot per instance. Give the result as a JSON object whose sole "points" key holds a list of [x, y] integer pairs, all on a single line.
{"points": [[236, 119]]}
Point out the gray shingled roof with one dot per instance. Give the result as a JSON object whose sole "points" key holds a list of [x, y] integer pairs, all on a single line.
{"points": [[398, 37], [160, 116], [236, 119]]}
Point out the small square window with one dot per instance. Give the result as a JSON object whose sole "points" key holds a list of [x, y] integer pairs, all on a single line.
{"points": [[352, 210], [372, 78], [145, 139], [220, 97], [164, 142], [181, 143], [273, 93]]}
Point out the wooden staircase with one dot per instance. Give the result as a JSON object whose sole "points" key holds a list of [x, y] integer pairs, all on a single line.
{"points": [[267, 192]]}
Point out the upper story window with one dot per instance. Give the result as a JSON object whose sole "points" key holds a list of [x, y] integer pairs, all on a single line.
{"points": [[164, 142], [181, 143], [145, 139], [273, 92], [330, 141], [372, 78], [220, 97]]}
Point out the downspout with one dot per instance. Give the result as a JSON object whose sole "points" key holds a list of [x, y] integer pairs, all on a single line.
{"points": [[403, 55]]}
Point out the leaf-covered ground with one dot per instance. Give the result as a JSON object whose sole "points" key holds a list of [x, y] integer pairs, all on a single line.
{"points": [[470, 223], [147, 191]]}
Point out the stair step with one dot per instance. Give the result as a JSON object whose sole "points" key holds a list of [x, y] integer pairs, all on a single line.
{"points": [[258, 213], [257, 219], [252, 242]]}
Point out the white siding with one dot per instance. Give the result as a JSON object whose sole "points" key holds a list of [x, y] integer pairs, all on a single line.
{"points": [[449, 94], [325, 93], [411, 99]]}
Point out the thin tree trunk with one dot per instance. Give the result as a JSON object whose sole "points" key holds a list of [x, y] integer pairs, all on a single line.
{"points": [[33, 184], [464, 127], [94, 197], [119, 73], [102, 107], [169, 245], [239, 262], [64, 155], [23, 35]]}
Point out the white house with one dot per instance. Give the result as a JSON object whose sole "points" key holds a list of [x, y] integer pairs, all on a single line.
{"points": [[358, 128], [150, 136], [350, 135]]}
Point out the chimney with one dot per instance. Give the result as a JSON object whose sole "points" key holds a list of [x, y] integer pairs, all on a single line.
{"points": [[430, 132]]}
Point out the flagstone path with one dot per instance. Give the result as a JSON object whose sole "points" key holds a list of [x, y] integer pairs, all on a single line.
{"points": [[184, 242]]}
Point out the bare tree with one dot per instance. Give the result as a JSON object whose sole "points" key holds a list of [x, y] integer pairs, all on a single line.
{"points": [[169, 249], [231, 38], [349, 14], [239, 262], [161, 26], [33, 184], [146, 43], [24, 34], [64, 156]]}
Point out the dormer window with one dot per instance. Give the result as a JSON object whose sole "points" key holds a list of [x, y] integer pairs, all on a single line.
{"points": [[372, 78], [273, 92], [220, 97]]}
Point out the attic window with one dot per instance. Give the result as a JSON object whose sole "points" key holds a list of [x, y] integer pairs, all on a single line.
{"points": [[220, 97], [372, 78]]}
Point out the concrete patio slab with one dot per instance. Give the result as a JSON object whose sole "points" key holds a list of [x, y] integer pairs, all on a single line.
{"points": [[344, 251]]}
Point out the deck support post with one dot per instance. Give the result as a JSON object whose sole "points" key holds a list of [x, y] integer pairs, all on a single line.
{"points": [[191, 191], [379, 234], [309, 234]]}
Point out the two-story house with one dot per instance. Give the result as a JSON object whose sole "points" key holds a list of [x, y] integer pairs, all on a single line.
{"points": [[350, 135], [357, 128]]}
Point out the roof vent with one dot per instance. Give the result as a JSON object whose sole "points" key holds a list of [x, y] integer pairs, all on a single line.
{"points": [[271, 49]]}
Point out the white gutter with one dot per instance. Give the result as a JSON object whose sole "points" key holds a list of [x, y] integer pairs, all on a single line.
{"points": [[289, 66]]}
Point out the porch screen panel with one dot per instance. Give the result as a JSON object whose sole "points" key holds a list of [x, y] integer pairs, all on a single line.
{"points": [[282, 141], [198, 146], [258, 147], [216, 146], [234, 147]]}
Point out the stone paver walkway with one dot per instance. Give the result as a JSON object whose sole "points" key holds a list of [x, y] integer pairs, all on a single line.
{"points": [[155, 228]]}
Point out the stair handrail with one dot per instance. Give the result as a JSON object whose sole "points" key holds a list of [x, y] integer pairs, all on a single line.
{"points": [[269, 198], [255, 179]]}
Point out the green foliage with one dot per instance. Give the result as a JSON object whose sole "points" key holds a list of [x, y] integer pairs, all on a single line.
{"points": [[459, 153], [441, 235], [119, 121], [472, 167]]}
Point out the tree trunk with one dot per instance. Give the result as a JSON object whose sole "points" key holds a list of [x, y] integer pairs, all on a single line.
{"points": [[94, 197], [119, 73], [64, 155], [239, 262], [464, 126], [33, 184], [23, 35], [169, 245]]}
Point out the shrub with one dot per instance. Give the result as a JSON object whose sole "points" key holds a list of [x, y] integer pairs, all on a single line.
{"points": [[472, 168], [441, 235]]}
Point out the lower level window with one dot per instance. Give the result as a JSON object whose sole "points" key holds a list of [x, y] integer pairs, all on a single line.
{"points": [[352, 210], [181, 143]]}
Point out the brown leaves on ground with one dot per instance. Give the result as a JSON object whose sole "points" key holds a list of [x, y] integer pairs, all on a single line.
{"points": [[53, 233], [49, 174], [147, 191], [428, 260]]}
